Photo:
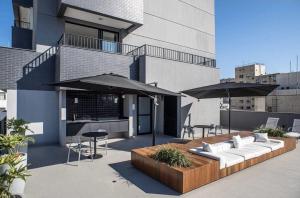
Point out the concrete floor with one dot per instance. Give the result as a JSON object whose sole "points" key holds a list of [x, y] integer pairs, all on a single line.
{"points": [[113, 176]]}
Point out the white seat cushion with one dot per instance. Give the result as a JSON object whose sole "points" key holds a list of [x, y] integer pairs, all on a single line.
{"points": [[292, 134], [226, 159], [249, 151], [248, 140], [272, 144]]}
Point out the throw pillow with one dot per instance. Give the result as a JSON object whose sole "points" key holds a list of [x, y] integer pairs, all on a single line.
{"points": [[237, 141], [261, 137], [208, 147]]}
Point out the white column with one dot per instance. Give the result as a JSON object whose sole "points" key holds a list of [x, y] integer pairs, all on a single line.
{"points": [[12, 103], [62, 118], [132, 116]]}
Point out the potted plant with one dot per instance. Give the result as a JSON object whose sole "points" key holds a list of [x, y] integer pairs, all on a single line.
{"points": [[271, 132], [172, 157], [13, 175], [18, 126], [10, 144]]}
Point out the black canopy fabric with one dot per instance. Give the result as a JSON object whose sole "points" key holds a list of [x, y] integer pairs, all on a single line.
{"points": [[222, 90], [229, 90], [114, 84]]}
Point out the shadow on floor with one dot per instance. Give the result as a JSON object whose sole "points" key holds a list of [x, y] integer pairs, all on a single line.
{"points": [[41, 156], [127, 173]]}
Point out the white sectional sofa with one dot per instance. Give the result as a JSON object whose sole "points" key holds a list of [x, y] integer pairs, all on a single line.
{"points": [[228, 154]]}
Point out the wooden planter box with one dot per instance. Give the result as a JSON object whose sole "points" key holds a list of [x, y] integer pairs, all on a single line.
{"points": [[202, 171], [180, 179]]}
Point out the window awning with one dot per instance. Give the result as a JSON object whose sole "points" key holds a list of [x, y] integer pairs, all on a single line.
{"points": [[114, 84]]}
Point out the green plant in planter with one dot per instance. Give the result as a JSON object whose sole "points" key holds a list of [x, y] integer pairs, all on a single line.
{"points": [[10, 143], [17, 126], [12, 170], [271, 132], [171, 156]]}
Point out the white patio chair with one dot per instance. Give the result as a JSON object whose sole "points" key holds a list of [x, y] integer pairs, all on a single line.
{"points": [[76, 145], [294, 132], [215, 130], [104, 138], [271, 123]]}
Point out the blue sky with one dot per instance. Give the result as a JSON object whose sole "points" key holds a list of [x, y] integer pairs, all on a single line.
{"points": [[265, 31]]}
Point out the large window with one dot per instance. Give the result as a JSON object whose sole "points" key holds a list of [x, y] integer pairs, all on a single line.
{"points": [[90, 37], [83, 105]]}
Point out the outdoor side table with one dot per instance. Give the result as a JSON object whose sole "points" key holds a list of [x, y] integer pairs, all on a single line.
{"points": [[203, 126], [95, 135]]}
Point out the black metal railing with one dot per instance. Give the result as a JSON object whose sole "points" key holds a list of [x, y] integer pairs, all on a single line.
{"points": [[148, 50], [22, 24], [39, 60], [96, 43]]}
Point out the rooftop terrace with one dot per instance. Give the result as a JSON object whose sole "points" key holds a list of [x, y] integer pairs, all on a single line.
{"points": [[114, 176]]}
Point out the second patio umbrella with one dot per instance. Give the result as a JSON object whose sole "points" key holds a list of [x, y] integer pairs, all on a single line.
{"points": [[229, 90]]}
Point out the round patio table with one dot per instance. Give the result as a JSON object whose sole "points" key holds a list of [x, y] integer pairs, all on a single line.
{"points": [[95, 135], [203, 126]]}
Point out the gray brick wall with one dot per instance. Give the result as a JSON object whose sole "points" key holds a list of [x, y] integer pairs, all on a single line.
{"points": [[130, 10], [12, 61], [77, 62]]}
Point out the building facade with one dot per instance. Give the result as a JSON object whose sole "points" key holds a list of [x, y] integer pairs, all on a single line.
{"points": [[248, 74], [151, 41]]}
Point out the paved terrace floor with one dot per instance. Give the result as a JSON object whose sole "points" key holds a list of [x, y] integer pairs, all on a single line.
{"points": [[113, 176]]}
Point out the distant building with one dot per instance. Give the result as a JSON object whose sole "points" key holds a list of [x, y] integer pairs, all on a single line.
{"points": [[286, 98], [248, 74]]}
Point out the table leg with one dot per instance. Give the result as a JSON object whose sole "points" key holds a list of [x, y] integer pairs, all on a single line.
{"points": [[95, 149], [203, 131]]}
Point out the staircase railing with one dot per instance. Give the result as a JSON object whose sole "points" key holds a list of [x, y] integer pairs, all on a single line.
{"points": [[37, 61]]}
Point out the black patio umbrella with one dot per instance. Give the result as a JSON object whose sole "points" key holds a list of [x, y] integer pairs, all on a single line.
{"points": [[229, 90], [113, 83]]}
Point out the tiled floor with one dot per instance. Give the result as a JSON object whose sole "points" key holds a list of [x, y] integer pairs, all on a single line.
{"points": [[113, 176]]}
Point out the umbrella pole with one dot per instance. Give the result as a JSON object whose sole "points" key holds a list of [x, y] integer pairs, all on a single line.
{"points": [[229, 112], [154, 122]]}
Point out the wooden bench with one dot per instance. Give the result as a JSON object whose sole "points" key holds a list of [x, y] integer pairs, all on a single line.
{"points": [[203, 170]]}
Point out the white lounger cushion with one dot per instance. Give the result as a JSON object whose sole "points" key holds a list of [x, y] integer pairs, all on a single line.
{"points": [[272, 144], [292, 134], [226, 159], [249, 151]]}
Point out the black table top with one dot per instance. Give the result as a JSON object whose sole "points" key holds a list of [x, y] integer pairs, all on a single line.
{"points": [[202, 126], [94, 134]]}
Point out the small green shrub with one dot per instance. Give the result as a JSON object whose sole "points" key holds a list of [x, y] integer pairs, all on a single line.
{"points": [[171, 156], [271, 132]]}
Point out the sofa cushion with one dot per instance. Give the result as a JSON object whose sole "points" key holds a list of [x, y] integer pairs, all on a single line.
{"points": [[273, 144], [292, 134], [226, 159], [248, 140], [261, 137], [249, 151]]}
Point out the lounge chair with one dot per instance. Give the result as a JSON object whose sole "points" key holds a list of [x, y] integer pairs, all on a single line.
{"points": [[294, 132], [271, 123]]}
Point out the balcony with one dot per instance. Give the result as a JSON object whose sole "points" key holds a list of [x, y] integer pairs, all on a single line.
{"points": [[117, 14], [125, 49], [82, 56]]}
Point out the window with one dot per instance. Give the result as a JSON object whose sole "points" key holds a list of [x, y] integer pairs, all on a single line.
{"points": [[241, 101], [241, 76], [248, 107], [241, 107]]}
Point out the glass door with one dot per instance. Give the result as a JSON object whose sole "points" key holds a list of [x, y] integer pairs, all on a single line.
{"points": [[144, 115], [109, 41]]}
